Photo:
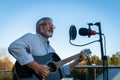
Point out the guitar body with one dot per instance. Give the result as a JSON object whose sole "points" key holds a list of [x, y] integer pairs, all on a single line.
{"points": [[24, 72]]}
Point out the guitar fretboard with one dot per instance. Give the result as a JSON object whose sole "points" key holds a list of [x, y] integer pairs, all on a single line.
{"points": [[64, 61]]}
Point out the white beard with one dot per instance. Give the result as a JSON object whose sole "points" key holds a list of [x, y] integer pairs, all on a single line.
{"points": [[48, 34]]}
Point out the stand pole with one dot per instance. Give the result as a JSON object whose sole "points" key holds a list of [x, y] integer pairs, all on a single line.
{"points": [[104, 58]]}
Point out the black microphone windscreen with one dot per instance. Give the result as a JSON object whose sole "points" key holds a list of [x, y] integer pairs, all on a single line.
{"points": [[72, 32]]}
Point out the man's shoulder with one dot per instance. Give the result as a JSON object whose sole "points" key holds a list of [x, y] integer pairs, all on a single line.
{"points": [[28, 35]]}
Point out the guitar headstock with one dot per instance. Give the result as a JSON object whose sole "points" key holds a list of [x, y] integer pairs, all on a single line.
{"points": [[87, 51]]}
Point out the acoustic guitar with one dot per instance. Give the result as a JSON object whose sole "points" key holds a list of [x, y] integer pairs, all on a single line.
{"points": [[52, 60]]}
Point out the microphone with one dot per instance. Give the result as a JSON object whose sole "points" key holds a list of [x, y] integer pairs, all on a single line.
{"points": [[87, 32]]}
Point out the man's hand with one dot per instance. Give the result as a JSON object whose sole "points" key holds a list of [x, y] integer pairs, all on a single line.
{"points": [[41, 70], [83, 56]]}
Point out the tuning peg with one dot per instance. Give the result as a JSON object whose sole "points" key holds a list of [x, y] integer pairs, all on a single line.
{"points": [[87, 51]]}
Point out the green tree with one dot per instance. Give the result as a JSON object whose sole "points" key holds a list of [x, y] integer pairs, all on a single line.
{"points": [[114, 59], [95, 60]]}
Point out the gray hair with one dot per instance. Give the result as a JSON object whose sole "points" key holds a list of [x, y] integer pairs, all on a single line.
{"points": [[40, 21]]}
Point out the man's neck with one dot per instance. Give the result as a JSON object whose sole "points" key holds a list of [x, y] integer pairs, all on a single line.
{"points": [[44, 36]]}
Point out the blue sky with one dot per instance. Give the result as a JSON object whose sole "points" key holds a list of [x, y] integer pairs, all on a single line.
{"points": [[18, 17]]}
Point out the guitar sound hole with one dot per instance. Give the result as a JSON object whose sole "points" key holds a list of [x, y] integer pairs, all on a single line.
{"points": [[52, 67]]}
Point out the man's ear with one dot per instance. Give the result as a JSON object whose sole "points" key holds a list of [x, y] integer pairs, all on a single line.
{"points": [[38, 29]]}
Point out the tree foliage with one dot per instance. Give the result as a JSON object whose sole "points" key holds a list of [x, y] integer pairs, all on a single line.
{"points": [[5, 64]]}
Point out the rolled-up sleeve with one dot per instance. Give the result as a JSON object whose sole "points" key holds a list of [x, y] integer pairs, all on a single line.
{"points": [[18, 49]]}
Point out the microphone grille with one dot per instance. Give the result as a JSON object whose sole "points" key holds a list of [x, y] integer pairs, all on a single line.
{"points": [[83, 31]]}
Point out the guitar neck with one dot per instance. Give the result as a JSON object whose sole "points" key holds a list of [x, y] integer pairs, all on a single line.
{"points": [[66, 60]]}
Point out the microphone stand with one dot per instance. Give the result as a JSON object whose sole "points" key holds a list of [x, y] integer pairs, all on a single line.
{"points": [[104, 57]]}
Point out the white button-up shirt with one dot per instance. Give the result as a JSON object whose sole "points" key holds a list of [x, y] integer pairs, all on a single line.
{"points": [[29, 45]]}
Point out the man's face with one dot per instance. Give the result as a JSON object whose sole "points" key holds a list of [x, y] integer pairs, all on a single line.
{"points": [[46, 28]]}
